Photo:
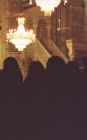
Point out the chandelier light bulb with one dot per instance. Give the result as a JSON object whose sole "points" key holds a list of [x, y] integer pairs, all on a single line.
{"points": [[21, 38], [65, 2], [48, 6], [30, 2]]}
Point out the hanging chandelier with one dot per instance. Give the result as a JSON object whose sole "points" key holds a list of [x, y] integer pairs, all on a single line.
{"points": [[30, 2], [48, 6], [21, 38], [65, 2]]}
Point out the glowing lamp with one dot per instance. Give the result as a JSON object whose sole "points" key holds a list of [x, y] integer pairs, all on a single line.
{"points": [[21, 38], [48, 5]]}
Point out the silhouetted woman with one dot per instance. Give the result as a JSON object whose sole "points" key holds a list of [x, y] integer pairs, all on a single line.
{"points": [[55, 77], [12, 77], [34, 81]]}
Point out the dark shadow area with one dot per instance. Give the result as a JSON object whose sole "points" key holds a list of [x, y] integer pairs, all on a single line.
{"points": [[49, 104]]}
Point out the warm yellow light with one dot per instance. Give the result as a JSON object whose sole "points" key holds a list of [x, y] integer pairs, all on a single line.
{"points": [[21, 38], [48, 5], [30, 2], [65, 2], [70, 49]]}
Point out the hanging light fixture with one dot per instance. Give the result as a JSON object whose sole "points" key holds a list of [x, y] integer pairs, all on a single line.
{"points": [[30, 2], [65, 2], [21, 38], [48, 5]]}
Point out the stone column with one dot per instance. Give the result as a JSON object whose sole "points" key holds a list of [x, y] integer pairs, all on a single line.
{"points": [[35, 25], [4, 12], [1, 52], [48, 26], [69, 45]]}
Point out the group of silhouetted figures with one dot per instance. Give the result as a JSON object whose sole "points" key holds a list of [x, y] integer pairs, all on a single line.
{"points": [[56, 80], [55, 98]]}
